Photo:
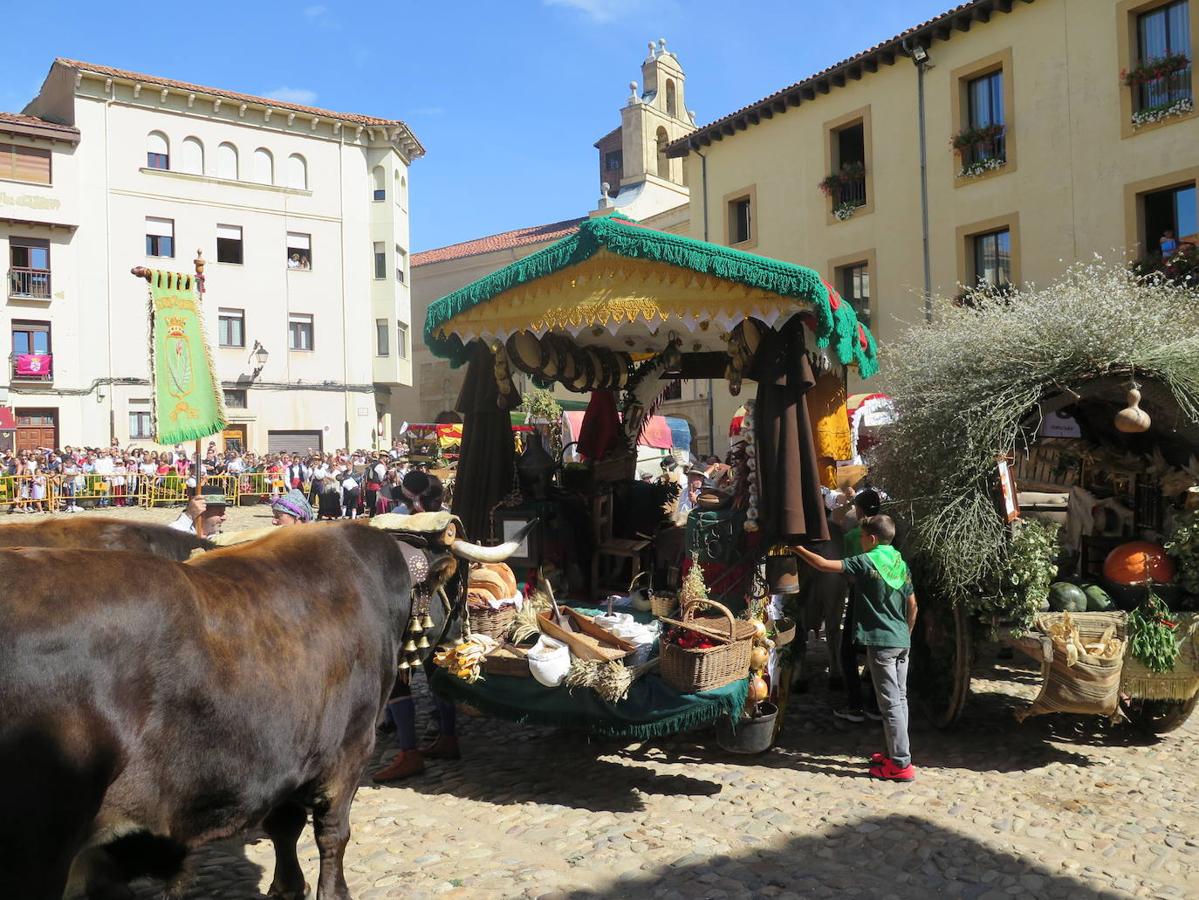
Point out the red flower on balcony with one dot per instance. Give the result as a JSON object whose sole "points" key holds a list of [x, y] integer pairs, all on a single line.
{"points": [[1153, 69]]}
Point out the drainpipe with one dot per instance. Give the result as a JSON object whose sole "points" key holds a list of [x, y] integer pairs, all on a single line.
{"points": [[922, 63], [703, 165]]}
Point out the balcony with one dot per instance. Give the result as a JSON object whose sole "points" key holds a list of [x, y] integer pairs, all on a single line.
{"points": [[1163, 97], [28, 284], [31, 366]]}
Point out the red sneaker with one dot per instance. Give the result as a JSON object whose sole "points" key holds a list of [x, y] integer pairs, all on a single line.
{"points": [[888, 771], [877, 759]]}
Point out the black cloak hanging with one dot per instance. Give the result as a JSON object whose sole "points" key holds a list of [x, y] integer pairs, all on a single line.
{"points": [[484, 474], [791, 506]]}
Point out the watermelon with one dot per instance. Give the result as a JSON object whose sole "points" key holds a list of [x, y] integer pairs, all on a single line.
{"points": [[1066, 597], [1098, 600]]}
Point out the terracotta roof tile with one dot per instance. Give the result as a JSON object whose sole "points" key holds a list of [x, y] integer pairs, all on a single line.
{"points": [[7, 118], [894, 44], [355, 118], [506, 240]]}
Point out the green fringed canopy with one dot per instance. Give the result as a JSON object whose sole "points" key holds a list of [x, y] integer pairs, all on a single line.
{"points": [[579, 282]]}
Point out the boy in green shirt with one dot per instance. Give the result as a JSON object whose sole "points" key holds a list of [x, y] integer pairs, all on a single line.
{"points": [[884, 607]]}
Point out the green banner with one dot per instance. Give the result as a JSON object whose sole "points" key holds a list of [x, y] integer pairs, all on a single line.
{"points": [[188, 401]]}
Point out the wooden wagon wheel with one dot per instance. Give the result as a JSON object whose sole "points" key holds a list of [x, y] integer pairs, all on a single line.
{"points": [[942, 652], [1158, 716]]}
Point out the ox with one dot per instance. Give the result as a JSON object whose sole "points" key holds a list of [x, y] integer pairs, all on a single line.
{"points": [[95, 533], [148, 706]]}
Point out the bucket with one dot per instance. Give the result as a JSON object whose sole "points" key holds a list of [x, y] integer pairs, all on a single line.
{"points": [[752, 735]]}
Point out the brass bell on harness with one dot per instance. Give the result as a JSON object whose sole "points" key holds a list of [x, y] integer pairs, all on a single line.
{"points": [[423, 643], [414, 625], [413, 660], [426, 621], [404, 667], [409, 646]]}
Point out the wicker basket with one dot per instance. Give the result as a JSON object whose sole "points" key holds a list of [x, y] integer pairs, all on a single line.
{"points": [[693, 671], [662, 605], [495, 623]]}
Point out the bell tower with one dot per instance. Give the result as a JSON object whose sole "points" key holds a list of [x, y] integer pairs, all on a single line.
{"points": [[651, 118]]}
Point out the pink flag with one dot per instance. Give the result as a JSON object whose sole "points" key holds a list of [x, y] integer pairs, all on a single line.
{"points": [[35, 364]]}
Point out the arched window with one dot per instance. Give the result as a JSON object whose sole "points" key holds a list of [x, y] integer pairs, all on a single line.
{"points": [[158, 151], [192, 156], [226, 162], [379, 183], [397, 182], [663, 162], [264, 166], [403, 192], [297, 172], [671, 103]]}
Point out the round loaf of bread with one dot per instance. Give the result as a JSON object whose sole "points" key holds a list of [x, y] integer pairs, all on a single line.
{"points": [[506, 574], [483, 579], [478, 599]]}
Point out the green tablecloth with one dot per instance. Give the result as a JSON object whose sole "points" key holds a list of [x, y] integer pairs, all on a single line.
{"points": [[652, 708]]}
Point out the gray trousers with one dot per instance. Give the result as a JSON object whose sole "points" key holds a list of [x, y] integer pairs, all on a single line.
{"points": [[889, 670]]}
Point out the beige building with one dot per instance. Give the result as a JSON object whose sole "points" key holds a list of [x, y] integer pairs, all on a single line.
{"points": [[1055, 163], [301, 214], [636, 178]]}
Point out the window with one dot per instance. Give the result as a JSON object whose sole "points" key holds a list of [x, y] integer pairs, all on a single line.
{"points": [[402, 340], [993, 259], [299, 332], [228, 244], [140, 424], [984, 104], [226, 162], [192, 156], [846, 184], [674, 390], [231, 328], [264, 166], [235, 399], [671, 104], [24, 164], [299, 250], [380, 260], [663, 162], [614, 161], [1171, 210], [30, 338], [297, 172], [382, 337], [399, 184], [740, 220], [853, 283], [29, 268], [160, 237], [379, 179], [158, 151], [401, 264], [1164, 34]]}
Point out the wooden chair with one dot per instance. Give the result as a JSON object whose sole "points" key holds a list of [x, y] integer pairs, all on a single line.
{"points": [[607, 562]]}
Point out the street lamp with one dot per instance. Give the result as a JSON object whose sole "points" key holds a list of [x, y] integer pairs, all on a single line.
{"points": [[259, 355]]}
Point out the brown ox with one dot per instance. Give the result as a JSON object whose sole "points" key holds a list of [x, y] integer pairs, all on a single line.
{"points": [[148, 707], [96, 533]]}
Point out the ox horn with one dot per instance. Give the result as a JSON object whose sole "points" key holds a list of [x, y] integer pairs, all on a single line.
{"points": [[497, 554]]}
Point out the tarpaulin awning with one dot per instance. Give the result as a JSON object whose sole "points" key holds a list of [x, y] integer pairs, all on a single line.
{"points": [[661, 432]]}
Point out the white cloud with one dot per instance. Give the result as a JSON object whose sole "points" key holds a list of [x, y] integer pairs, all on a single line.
{"points": [[292, 95], [315, 11], [599, 11]]}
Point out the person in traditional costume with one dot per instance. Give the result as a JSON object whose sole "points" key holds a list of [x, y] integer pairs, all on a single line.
{"points": [[292, 508]]}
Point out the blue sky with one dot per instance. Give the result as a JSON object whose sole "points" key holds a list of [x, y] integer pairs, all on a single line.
{"points": [[507, 96]]}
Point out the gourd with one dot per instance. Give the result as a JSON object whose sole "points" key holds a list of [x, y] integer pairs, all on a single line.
{"points": [[758, 691], [1133, 419], [758, 658], [1137, 562]]}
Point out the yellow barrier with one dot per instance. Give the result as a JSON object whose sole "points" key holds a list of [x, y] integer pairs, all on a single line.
{"points": [[53, 492]]}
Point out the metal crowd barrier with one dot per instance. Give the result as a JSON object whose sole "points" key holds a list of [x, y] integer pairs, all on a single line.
{"points": [[53, 492]]}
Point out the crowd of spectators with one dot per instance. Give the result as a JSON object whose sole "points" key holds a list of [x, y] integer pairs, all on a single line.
{"points": [[339, 484]]}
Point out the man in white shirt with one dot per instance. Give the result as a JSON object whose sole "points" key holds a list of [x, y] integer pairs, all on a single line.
{"points": [[201, 517]]}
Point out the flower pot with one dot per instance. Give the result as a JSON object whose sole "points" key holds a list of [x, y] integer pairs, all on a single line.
{"points": [[755, 735]]}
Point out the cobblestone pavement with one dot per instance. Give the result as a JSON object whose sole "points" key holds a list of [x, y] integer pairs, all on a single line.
{"points": [[1060, 806]]}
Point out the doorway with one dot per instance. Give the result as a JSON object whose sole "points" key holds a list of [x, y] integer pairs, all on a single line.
{"points": [[36, 428], [234, 437]]}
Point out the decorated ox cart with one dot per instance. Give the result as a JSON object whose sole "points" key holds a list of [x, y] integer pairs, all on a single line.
{"points": [[616, 633], [1046, 457]]}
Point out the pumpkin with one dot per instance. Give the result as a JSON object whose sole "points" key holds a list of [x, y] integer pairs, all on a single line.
{"points": [[1131, 563], [1066, 597], [758, 691]]}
